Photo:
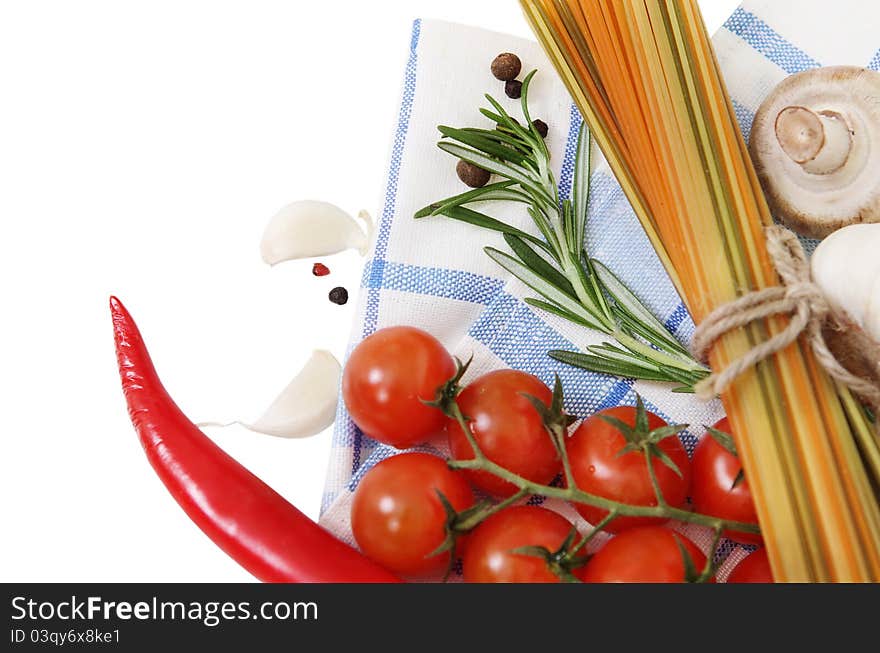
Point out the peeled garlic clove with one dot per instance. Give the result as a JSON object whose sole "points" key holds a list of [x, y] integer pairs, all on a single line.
{"points": [[846, 266], [307, 405], [872, 312], [309, 228]]}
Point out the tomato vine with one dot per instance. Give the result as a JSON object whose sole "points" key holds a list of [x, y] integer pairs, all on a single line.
{"points": [[557, 423]]}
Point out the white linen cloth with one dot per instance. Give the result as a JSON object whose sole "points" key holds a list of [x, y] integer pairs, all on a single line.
{"points": [[432, 273]]}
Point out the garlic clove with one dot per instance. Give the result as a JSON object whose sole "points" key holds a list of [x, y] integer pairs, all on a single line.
{"points": [[307, 405], [846, 266], [310, 228], [872, 311]]}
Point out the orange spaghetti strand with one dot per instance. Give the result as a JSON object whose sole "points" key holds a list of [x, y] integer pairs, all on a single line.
{"points": [[645, 77]]}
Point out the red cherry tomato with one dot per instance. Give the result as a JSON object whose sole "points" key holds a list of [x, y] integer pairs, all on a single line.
{"points": [[648, 554], [397, 517], [507, 428], [754, 568], [488, 557], [387, 377], [714, 471], [599, 468]]}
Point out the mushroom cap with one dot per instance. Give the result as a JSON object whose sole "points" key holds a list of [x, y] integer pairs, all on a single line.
{"points": [[810, 203]]}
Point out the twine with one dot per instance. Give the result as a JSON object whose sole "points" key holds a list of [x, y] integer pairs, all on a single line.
{"points": [[797, 296]]}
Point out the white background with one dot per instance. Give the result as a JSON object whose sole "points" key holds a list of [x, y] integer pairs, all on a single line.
{"points": [[143, 147]]}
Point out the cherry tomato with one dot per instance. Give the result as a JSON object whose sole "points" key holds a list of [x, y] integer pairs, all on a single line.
{"points": [[397, 517], [488, 557], [387, 377], [599, 468], [648, 554], [714, 471], [508, 429], [754, 568]]}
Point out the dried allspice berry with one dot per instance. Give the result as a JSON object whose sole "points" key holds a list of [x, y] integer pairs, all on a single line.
{"points": [[540, 127], [338, 295], [506, 66], [472, 175], [513, 88]]}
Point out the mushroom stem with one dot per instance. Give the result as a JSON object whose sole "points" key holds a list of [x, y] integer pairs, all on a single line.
{"points": [[819, 142]]}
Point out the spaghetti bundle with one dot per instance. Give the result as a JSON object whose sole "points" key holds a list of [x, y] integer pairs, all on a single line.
{"points": [[645, 78]]}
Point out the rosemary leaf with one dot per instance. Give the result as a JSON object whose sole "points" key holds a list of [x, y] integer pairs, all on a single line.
{"points": [[511, 124], [515, 173], [660, 357], [475, 139], [502, 136], [463, 214], [605, 365], [632, 305], [524, 102], [607, 350], [556, 265], [555, 310], [546, 228], [581, 185], [498, 191], [537, 264], [542, 286]]}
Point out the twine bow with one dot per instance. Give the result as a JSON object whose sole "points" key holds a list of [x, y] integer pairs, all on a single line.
{"points": [[797, 296]]}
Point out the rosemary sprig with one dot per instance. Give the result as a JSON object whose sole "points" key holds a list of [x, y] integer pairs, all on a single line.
{"points": [[556, 266]]}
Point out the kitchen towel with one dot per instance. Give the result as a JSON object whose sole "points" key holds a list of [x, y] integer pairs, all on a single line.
{"points": [[432, 273]]}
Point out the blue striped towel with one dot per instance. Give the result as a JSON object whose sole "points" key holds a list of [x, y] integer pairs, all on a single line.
{"points": [[433, 274]]}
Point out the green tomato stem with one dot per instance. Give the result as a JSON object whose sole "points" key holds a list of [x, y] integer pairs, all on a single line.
{"points": [[598, 528], [574, 494], [652, 474], [473, 520]]}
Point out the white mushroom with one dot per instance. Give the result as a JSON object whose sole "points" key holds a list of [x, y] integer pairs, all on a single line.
{"points": [[846, 267], [309, 228], [815, 143]]}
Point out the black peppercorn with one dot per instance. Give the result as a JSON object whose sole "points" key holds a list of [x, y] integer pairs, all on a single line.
{"points": [[513, 88], [473, 176], [540, 127], [506, 66], [339, 295]]}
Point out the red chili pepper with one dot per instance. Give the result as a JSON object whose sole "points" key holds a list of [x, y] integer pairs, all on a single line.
{"points": [[246, 518]]}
